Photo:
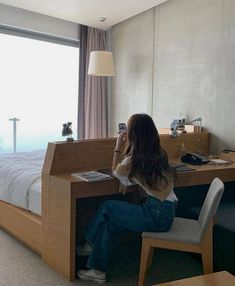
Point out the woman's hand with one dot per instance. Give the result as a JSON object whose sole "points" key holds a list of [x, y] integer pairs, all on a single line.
{"points": [[121, 142]]}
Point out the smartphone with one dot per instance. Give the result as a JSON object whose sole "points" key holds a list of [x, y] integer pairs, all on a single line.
{"points": [[122, 128]]}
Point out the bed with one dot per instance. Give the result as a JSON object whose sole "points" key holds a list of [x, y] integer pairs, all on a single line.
{"points": [[20, 196], [20, 179]]}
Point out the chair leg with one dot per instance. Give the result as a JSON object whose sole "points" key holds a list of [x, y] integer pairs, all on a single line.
{"points": [[151, 251], [207, 252], [207, 263], [144, 261]]}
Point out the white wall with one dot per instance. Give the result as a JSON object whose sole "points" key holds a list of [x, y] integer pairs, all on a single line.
{"points": [[192, 46], [20, 19]]}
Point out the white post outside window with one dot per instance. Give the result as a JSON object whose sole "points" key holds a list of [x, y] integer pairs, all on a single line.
{"points": [[14, 132]]}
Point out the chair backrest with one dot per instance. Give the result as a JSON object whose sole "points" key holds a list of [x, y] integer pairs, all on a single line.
{"points": [[210, 205]]}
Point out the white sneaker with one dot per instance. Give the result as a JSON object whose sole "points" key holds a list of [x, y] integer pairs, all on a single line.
{"points": [[92, 275], [84, 249]]}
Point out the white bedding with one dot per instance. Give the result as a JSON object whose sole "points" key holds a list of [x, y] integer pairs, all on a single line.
{"points": [[20, 174], [34, 197]]}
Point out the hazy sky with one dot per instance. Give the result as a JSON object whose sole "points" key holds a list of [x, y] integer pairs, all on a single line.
{"points": [[39, 85]]}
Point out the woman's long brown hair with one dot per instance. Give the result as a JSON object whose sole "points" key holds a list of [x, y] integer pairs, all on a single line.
{"points": [[149, 161]]}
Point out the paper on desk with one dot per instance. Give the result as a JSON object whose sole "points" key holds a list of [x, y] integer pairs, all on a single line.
{"points": [[219, 161]]}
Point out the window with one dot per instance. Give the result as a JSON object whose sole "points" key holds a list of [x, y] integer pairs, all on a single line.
{"points": [[39, 86]]}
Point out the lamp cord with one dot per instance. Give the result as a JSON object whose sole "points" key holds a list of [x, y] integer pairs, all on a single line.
{"points": [[104, 39]]}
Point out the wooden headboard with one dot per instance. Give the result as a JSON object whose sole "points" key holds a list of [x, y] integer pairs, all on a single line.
{"points": [[82, 155]]}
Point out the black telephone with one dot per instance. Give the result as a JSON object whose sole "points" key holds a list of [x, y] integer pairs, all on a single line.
{"points": [[194, 159]]}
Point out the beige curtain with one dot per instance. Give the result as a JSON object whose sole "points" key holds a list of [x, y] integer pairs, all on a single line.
{"points": [[92, 114]]}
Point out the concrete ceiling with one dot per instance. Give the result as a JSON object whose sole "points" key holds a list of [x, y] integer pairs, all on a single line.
{"points": [[87, 12]]}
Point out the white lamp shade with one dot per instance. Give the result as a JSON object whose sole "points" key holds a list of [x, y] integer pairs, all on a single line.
{"points": [[101, 64]]}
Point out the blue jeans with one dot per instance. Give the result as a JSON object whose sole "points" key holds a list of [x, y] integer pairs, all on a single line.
{"points": [[115, 217]]}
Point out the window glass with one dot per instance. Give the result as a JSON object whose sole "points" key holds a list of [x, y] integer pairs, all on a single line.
{"points": [[38, 86]]}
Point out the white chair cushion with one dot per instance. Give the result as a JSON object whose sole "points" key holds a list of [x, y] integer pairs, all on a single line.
{"points": [[182, 229]]}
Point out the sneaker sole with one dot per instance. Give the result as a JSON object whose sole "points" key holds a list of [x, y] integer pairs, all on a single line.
{"points": [[84, 277]]}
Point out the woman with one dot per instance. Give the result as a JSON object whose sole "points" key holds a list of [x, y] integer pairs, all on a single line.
{"points": [[145, 163]]}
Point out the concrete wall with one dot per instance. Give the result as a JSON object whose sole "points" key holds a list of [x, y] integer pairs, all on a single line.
{"points": [[132, 44], [178, 57]]}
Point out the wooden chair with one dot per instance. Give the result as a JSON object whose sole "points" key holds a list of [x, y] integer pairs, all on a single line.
{"points": [[186, 234]]}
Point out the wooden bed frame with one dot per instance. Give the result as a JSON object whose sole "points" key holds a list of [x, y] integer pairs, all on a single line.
{"points": [[61, 160]]}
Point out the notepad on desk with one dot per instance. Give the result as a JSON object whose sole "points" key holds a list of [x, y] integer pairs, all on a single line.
{"points": [[107, 171], [91, 176], [182, 167], [177, 165]]}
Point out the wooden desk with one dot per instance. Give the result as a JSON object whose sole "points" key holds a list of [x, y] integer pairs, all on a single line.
{"points": [[204, 174], [222, 278], [60, 190], [65, 189]]}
